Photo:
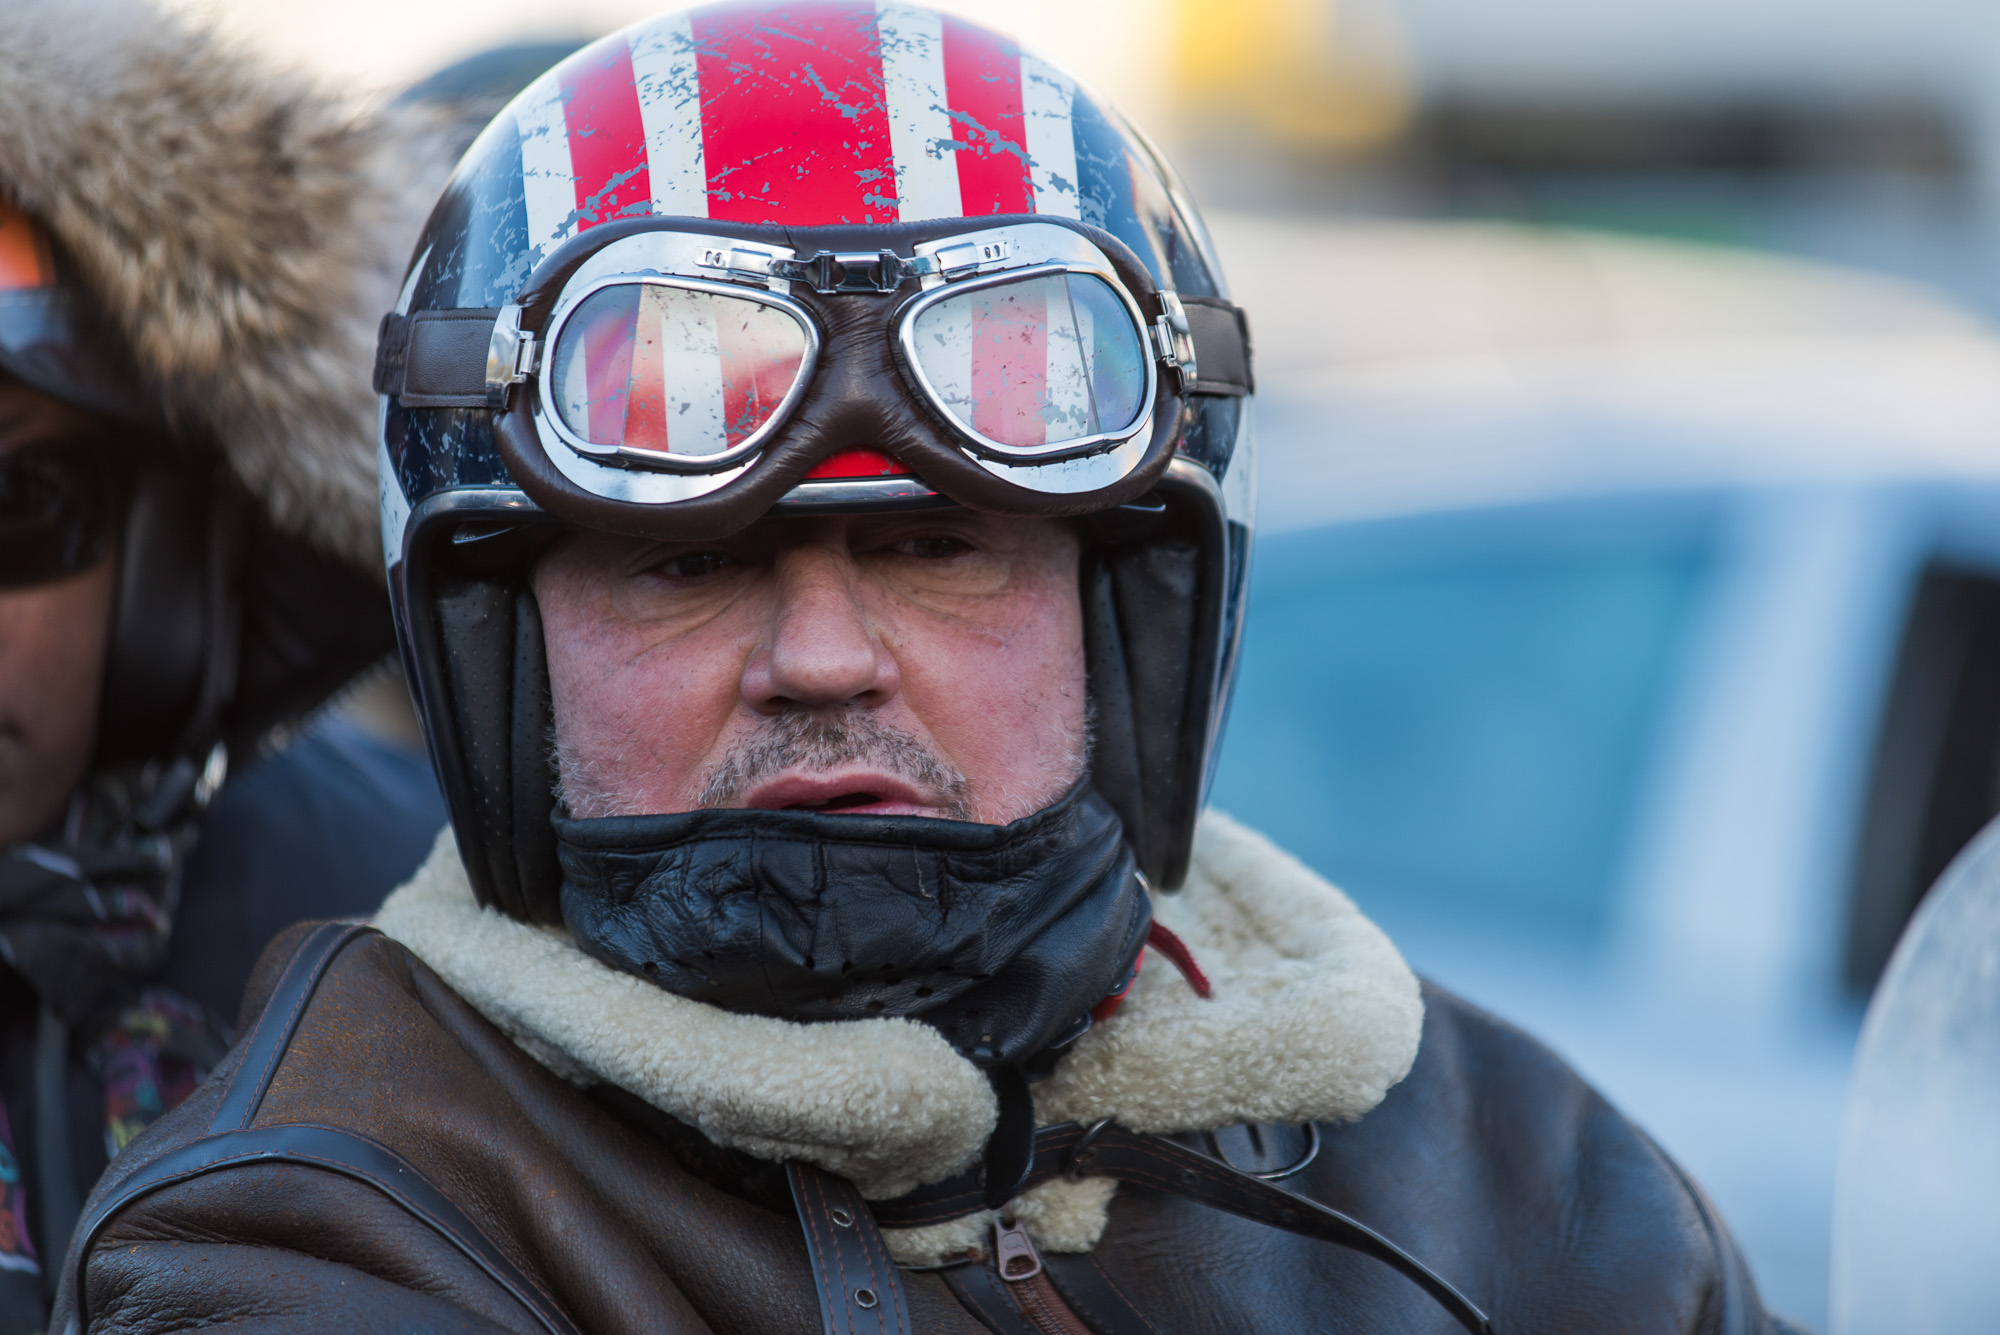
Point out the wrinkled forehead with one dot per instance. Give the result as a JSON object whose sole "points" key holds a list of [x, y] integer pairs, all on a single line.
{"points": [[797, 115]]}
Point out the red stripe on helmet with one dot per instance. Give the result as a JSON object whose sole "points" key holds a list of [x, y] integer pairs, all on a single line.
{"points": [[982, 76], [607, 135], [794, 124], [858, 463]]}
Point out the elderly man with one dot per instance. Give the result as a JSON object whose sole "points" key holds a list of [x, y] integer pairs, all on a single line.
{"points": [[185, 506], [816, 488]]}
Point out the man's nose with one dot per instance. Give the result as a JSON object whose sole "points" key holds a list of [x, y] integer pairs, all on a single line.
{"points": [[821, 648]]}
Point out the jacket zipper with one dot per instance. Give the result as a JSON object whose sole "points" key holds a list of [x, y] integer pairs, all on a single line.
{"points": [[1020, 1267]]}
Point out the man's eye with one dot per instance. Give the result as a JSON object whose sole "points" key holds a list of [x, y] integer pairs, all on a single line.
{"points": [[934, 547], [694, 565]]}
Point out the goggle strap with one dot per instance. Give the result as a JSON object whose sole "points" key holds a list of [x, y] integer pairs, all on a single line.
{"points": [[436, 359], [442, 358], [1221, 335]]}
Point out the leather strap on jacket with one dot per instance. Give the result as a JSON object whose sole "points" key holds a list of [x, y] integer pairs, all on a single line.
{"points": [[1107, 1150], [231, 1144], [860, 1291]]}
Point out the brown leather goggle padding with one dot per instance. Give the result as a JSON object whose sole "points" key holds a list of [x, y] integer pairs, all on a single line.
{"points": [[858, 398], [894, 428]]}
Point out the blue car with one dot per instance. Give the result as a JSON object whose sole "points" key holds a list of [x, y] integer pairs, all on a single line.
{"points": [[1625, 638]]}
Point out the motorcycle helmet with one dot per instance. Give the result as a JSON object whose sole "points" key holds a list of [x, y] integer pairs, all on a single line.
{"points": [[757, 260]]}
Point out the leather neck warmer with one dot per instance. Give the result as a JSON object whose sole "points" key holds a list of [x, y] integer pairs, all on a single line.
{"points": [[1001, 937]]}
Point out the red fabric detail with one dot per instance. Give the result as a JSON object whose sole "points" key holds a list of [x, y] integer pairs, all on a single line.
{"points": [[794, 123], [25, 262], [607, 136], [1175, 949], [1108, 1007], [858, 463], [982, 81]]}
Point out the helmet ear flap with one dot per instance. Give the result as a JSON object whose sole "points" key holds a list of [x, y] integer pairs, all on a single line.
{"points": [[496, 679], [1150, 638]]}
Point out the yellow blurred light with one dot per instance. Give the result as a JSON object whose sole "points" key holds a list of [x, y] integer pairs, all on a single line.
{"points": [[1310, 72]]}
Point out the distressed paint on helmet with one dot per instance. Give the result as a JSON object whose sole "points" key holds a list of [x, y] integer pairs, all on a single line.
{"points": [[839, 111]]}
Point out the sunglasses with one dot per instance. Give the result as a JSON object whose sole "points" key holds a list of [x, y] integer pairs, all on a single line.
{"points": [[56, 514], [667, 364]]}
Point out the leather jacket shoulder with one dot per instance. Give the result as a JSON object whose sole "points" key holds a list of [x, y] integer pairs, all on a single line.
{"points": [[375, 1154]]}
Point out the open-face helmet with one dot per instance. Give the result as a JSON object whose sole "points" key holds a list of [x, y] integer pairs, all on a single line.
{"points": [[791, 259]]}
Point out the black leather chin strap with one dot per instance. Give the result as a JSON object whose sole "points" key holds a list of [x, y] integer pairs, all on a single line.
{"points": [[1107, 1150]]}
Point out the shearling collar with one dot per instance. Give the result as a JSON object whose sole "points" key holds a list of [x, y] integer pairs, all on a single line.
{"points": [[1313, 1016]]}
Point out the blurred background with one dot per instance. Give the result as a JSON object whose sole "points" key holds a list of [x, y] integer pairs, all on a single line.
{"points": [[1625, 634]]}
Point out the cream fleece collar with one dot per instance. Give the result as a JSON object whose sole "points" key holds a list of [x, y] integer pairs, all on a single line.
{"points": [[1313, 1017]]}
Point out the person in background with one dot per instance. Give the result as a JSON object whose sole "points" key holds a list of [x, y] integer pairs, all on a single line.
{"points": [[193, 254]]}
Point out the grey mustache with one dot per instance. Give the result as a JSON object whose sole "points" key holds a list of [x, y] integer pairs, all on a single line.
{"points": [[818, 741]]}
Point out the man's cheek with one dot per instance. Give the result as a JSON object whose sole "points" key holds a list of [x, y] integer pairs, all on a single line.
{"points": [[668, 705]]}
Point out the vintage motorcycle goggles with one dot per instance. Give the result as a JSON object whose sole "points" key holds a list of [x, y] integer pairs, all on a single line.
{"points": [[56, 514], [666, 363]]}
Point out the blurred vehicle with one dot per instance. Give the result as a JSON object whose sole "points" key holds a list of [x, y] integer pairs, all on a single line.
{"points": [[1625, 637]]}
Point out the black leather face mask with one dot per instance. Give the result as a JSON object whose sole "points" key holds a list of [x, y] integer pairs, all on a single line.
{"points": [[1002, 937]]}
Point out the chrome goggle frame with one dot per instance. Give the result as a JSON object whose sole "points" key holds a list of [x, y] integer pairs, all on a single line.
{"points": [[764, 273], [552, 423], [943, 287]]}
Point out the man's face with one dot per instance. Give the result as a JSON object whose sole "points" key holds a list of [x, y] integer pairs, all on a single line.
{"points": [[918, 665], [52, 645]]}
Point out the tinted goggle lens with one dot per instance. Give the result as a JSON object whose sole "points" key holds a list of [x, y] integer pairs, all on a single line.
{"points": [[1034, 363], [54, 518], [673, 370]]}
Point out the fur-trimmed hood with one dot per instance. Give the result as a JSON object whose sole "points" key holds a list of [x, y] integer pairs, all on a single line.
{"points": [[242, 230], [1313, 1016]]}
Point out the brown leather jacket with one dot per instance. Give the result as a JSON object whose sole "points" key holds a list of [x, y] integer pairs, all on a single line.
{"points": [[376, 1156]]}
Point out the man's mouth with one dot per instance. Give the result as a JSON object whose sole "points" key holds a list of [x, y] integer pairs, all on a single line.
{"points": [[845, 802], [849, 791], [847, 761]]}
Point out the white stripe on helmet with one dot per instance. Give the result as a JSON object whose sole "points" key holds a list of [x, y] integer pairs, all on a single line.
{"points": [[548, 181], [1047, 98], [913, 89], [669, 87]]}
